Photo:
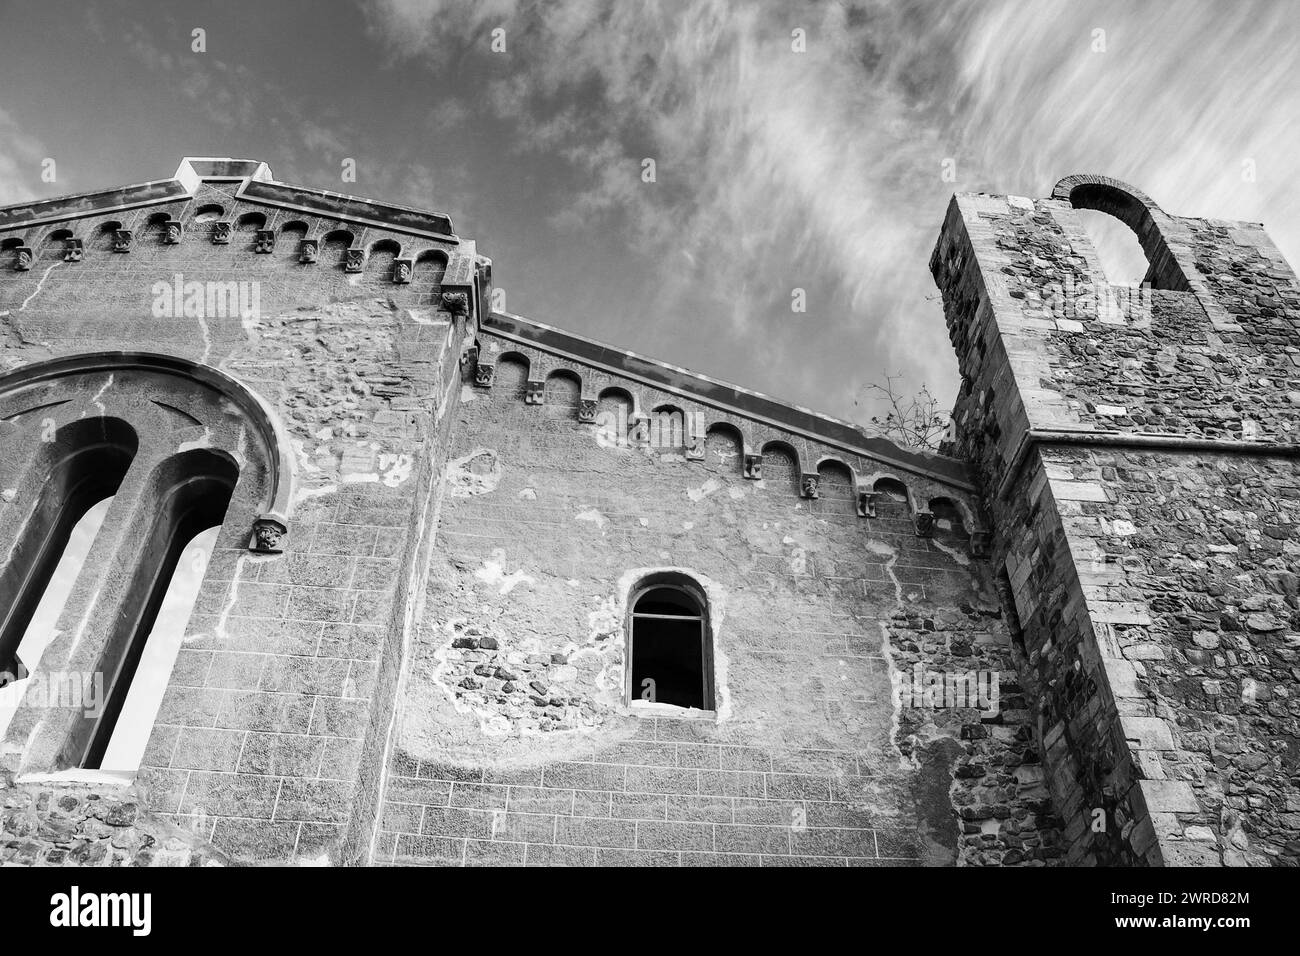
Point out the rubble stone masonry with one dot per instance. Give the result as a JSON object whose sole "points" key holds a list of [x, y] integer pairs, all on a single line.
{"points": [[1137, 454]]}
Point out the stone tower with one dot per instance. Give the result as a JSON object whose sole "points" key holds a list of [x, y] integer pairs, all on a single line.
{"points": [[1136, 451]]}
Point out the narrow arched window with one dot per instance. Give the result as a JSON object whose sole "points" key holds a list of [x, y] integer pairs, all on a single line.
{"points": [[81, 465], [670, 657], [192, 491]]}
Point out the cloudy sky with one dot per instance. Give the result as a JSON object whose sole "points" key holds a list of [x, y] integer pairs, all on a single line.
{"points": [[795, 145]]}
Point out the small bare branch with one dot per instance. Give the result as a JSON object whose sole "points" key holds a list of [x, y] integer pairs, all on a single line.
{"points": [[911, 420]]}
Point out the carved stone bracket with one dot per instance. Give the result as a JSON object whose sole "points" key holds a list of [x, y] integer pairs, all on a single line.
{"points": [[402, 269], [23, 258], [469, 357], [981, 543], [754, 467], [264, 241], [308, 250], [810, 485], [221, 232], [172, 232], [587, 410], [924, 521], [483, 373], [74, 250], [457, 303], [122, 240], [694, 448], [867, 504], [269, 531], [535, 393], [354, 260]]}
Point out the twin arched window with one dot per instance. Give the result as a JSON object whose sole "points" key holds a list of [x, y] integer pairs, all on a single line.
{"points": [[669, 654], [158, 451]]}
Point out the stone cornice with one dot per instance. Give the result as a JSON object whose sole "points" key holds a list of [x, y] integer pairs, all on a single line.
{"points": [[256, 184], [785, 416]]}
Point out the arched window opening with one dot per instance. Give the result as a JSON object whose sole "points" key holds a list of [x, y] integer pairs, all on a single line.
{"points": [[668, 428], [723, 448], [891, 499], [192, 491], [837, 491], [1132, 209], [563, 392], [512, 375], [1121, 255], [41, 628], [250, 222], [780, 468], [948, 518], [130, 736], [335, 247], [83, 466], [669, 656], [106, 236], [430, 267]]}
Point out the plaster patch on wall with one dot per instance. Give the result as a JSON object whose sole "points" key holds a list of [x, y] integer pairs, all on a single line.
{"points": [[706, 489], [592, 515], [959, 556], [528, 494], [895, 677], [396, 469], [891, 558], [493, 573], [477, 473]]}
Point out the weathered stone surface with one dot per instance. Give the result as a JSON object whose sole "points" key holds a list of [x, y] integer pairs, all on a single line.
{"points": [[904, 670]]}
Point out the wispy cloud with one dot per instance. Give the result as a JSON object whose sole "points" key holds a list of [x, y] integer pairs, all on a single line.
{"points": [[21, 156], [823, 168]]}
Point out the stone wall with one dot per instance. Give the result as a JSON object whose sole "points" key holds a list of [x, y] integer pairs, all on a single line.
{"points": [[1137, 462], [514, 742], [74, 824], [270, 736]]}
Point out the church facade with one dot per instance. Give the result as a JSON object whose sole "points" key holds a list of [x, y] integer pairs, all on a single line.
{"points": [[485, 591]]}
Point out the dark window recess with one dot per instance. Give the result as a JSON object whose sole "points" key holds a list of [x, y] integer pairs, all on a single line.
{"points": [[670, 661], [84, 464]]}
